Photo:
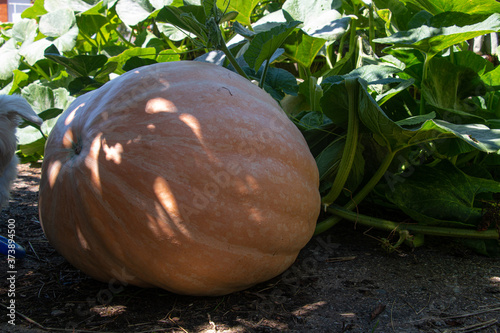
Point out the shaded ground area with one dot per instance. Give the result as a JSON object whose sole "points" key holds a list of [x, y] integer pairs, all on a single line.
{"points": [[343, 281]]}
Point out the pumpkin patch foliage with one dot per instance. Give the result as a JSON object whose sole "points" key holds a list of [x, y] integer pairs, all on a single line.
{"points": [[398, 101]]}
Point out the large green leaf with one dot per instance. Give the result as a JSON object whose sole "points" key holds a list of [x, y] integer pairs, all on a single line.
{"points": [[60, 28], [188, 18], [432, 40], [470, 6], [24, 30], [10, 59], [243, 7], [461, 83], [34, 11], [173, 32], [80, 65], [57, 23], [492, 78], [302, 48], [441, 195], [73, 5], [399, 15], [395, 137], [132, 12], [42, 98], [264, 44], [320, 17], [122, 58], [306, 10]]}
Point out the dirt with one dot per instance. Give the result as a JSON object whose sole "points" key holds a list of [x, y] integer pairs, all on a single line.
{"points": [[343, 281]]}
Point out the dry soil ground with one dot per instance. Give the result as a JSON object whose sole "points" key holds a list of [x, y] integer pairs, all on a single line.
{"points": [[343, 281]]}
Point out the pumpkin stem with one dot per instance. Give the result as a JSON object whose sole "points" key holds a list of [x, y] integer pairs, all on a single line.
{"points": [[233, 61]]}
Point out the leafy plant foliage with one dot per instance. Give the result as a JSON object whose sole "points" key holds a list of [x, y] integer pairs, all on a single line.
{"points": [[399, 112]]}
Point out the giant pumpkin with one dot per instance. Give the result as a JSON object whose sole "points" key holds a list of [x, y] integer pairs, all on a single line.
{"points": [[183, 176]]}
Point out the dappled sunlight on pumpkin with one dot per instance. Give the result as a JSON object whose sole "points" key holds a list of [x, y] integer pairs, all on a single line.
{"points": [[113, 153], [159, 104], [92, 162], [70, 117], [81, 238], [68, 139], [168, 207], [193, 124], [53, 172]]}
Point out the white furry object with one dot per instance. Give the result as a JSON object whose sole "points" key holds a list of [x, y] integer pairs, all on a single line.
{"points": [[11, 108]]}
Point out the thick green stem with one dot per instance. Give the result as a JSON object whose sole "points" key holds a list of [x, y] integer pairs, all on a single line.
{"points": [[424, 78], [326, 224], [172, 45], [330, 222], [233, 61], [351, 143], [414, 228], [264, 73], [372, 182], [353, 35], [371, 33], [39, 70], [341, 47], [127, 43]]}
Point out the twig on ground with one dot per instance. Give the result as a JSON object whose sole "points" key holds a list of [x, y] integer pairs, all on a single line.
{"points": [[340, 259], [474, 327], [422, 309]]}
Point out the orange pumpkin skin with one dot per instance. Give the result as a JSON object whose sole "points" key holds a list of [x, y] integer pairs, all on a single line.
{"points": [[183, 176]]}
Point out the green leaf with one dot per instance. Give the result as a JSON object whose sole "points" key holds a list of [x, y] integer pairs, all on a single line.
{"points": [[159, 4], [319, 17], [80, 65], [172, 32], [36, 148], [62, 31], [32, 52], [57, 23], [136, 62], [18, 81], [10, 59], [73, 5], [329, 25], [131, 12], [441, 195], [34, 11], [399, 15], [188, 18], [335, 103], [302, 48], [492, 78], [243, 7], [42, 98], [431, 40], [279, 82], [461, 83], [307, 10], [90, 24], [388, 133], [121, 59], [24, 30], [329, 159], [167, 56], [470, 7], [264, 44]]}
